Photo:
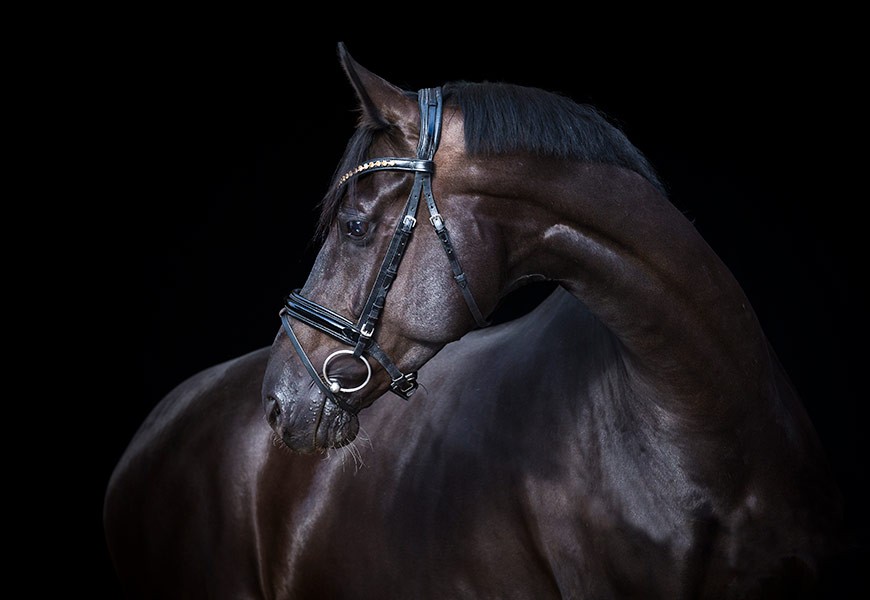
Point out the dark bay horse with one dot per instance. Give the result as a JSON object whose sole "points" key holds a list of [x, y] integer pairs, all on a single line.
{"points": [[631, 437]]}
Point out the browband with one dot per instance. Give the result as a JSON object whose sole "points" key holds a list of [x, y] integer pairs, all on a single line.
{"points": [[389, 164]]}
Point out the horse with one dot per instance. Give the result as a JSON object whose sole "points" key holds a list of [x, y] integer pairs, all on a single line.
{"points": [[633, 435]]}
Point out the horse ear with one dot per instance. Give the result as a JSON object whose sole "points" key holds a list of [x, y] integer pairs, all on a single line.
{"points": [[381, 103]]}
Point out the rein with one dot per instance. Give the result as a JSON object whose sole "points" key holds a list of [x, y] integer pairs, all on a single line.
{"points": [[360, 334]]}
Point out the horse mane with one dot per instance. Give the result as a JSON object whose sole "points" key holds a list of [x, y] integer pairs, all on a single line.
{"points": [[503, 118]]}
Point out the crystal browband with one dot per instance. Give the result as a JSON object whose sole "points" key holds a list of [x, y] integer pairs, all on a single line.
{"points": [[389, 164]]}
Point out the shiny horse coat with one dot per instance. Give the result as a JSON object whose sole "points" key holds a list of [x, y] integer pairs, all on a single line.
{"points": [[632, 437]]}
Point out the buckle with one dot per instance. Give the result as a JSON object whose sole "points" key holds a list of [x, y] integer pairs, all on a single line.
{"points": [[437, 221], [404, 386]]}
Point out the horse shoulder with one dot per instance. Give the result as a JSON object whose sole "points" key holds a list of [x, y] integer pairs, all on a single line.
{"points": [[182, 492]]}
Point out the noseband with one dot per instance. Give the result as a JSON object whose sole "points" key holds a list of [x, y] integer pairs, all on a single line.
{"points": [[360, 335]]}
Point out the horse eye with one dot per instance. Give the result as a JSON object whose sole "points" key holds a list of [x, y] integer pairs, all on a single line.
{"points": [[357, 229]]}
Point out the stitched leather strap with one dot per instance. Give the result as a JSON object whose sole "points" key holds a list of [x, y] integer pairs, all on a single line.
{"points": [[437, 222]]}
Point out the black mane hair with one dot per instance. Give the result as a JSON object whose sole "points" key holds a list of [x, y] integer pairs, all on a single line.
{"points": [[504, 118]]}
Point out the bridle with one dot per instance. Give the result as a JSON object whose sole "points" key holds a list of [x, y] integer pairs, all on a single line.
{"points": [[360, 335]]}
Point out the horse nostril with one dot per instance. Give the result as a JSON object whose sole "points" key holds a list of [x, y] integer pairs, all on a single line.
{"points": [[273, 409]]}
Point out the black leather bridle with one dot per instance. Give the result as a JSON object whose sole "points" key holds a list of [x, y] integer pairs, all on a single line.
{"points": [[359, 335]]}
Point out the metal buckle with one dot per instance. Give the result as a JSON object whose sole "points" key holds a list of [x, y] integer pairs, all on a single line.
{"points": [[437, 221], [410, 221], [410, 385], [367, 333]]}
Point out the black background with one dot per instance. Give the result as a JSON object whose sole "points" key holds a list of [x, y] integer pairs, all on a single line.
{"points": [[222, 144]]}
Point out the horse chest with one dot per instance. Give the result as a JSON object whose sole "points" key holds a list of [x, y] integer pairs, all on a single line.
{"points": [[447, 525]]}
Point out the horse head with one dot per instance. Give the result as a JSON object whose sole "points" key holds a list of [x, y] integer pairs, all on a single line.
{"points": [[400, 272]]}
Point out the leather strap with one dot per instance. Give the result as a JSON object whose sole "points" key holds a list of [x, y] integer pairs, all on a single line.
{"points": [[437, 222], [321, 318]]}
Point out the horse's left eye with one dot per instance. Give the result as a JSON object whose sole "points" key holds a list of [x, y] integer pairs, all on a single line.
{"points": [[357, 229]]}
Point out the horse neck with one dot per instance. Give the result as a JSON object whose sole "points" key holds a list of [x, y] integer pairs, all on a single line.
{"points": [[609, 237]]}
